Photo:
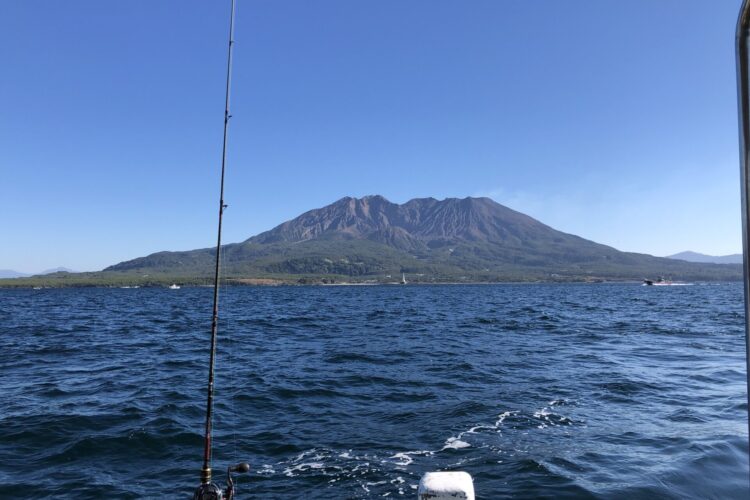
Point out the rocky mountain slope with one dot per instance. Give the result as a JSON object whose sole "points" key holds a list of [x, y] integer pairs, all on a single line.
{"points": [[470, 239]]}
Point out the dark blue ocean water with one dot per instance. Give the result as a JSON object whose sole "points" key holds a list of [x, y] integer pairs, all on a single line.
{"points": [[539, 391]]}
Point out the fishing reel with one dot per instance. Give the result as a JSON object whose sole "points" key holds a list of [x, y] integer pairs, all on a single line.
{"points": [[210, 491]]}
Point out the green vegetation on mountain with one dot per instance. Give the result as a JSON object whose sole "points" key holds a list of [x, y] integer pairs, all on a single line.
{"points": [[374, 240]]}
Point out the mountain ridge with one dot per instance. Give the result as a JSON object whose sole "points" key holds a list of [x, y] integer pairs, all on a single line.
{"points": [[418, 220], [689, 256], [10, 273], [454, 239]]}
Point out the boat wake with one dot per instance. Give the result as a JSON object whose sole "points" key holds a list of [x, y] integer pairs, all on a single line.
{"points": [[395, 473]]}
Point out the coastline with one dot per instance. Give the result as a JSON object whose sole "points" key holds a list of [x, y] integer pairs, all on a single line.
{"points": [[8, 284]]}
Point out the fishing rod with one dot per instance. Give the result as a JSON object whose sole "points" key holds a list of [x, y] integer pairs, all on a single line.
{"points": [[207, 489], [742, 39]]}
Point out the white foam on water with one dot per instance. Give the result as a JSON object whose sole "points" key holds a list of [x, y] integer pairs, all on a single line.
{"points": [[398, 482], [305, 454], [359, 466], [406, 456], [318, 461], [550, 419], [453, 443], [476, 429], [543, 413], [501, 418], [371, 483], [290, 471], [266, 469]]}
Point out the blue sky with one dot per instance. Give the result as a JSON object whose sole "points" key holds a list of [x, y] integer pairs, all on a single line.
{"points": [[612, 120]]}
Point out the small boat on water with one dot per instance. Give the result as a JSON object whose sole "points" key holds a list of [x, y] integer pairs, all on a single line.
{"points": [[174, 286], [403, 279], [661, 281]]}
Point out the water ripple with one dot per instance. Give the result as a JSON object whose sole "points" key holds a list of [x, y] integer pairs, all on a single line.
{"points": [[539, 391]]}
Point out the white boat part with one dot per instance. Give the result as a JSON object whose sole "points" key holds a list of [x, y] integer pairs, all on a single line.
{"points": [[447, 485]]}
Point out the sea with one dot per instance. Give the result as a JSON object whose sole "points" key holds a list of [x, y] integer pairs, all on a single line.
{"points": [[615, 391]]}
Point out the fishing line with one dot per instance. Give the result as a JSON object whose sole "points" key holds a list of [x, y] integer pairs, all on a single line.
{"points": [[232, 390]]}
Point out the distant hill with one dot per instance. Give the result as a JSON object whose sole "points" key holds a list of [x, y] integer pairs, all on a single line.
{"points": [[735, 258], [470, 239], [57, 270], [9, 273]]}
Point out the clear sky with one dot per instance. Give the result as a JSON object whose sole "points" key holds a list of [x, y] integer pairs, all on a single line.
{"points": [[612, 120]]}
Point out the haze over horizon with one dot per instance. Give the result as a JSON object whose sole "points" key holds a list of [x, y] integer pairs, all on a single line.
{"points": [[615, 122]]}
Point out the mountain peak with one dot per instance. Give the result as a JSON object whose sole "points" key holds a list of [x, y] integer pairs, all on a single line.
{"points": [[448, 239], [689, 256], [416, 224], [375, 197]]}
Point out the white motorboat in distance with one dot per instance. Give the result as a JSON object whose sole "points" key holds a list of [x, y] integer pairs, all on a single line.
{"points": [[663, 282]]}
